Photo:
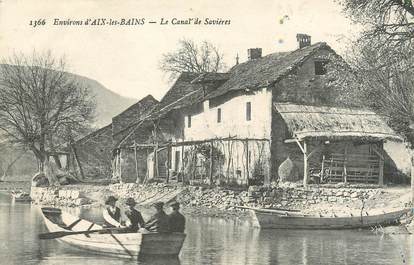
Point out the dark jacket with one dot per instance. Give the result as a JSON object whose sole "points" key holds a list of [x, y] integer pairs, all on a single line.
{"points": [[158, 222], [135, 219], [176, 222]]}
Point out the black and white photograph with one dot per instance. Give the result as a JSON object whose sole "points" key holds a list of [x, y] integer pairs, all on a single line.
{"points": [[207, 132]]}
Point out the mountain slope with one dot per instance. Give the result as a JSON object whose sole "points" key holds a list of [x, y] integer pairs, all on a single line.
{"points": [[108, 103]]}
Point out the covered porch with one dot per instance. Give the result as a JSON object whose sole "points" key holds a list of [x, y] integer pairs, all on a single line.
{"points": [[335, 144]]}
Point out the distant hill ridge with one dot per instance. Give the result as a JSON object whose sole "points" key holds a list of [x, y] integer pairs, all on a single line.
{"points": [[108, 103]]}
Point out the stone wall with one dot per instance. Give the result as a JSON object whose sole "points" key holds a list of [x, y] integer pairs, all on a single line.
{"points": [[59, 197], [210, 201]]}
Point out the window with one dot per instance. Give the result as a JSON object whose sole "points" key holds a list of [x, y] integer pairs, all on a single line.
{"points": [[248, 111], [218, 115], [320, 67], [189, 121]]}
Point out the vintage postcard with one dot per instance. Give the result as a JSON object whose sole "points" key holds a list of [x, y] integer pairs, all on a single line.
{"points": [[206, 132]]}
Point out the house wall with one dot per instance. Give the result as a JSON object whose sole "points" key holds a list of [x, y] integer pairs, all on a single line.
{"points": [[95, 152], [237, 158], [303, 86]]}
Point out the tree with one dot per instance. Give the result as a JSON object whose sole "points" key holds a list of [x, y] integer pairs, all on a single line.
{"points": [[390, 21], [190, 57], [383, 67], [9, 155], [41, 106]]}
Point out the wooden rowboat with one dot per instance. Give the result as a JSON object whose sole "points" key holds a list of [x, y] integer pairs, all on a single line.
{"points": [[20, 196], [274, 219], [130, 245]]}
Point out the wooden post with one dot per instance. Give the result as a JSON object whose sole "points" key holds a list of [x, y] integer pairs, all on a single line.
{"points": [[182, 169], [75, 154], [412, 178], [156, 175], [247, 162], [211, 162], [381, 172], [305, 165], [168, 164], [136, 163], [120, 165], [345, 164]]}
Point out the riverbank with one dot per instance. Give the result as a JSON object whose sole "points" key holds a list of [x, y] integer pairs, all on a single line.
{"points": [[224, 203]]}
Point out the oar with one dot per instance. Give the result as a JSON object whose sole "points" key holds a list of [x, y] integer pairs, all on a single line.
{"points": [[59, 234]]}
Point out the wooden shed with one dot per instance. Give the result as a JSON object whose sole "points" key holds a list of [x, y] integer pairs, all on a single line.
{"points": [[336, 144]]}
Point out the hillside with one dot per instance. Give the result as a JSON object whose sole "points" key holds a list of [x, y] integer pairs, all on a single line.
{"points": [[109, 104]]}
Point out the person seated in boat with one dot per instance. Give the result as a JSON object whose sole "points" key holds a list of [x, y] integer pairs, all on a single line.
{"points": [[176, 221], [159, 221], [111, 213], [135, 220]]}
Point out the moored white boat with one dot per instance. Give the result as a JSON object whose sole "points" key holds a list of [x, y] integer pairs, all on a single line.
{"points": [[266, 218], [130, 245], [20, 196]]}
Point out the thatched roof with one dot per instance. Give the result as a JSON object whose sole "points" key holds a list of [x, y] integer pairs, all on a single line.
{"points": [[334, 123], [266, 70]]}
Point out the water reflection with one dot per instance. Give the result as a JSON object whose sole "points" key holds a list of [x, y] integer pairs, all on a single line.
{"points": [[209, 241]]}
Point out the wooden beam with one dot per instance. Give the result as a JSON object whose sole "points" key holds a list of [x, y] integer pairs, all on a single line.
{"points": [[75, 154], [381, 172], [300, 146], [247, 163], [211, 162], [168, 165], [120, 166], [289, 141], [182, 164], [314, 151], [378, 152], [345, 164], [136, 163]]}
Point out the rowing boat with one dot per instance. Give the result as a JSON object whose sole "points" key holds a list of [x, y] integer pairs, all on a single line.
{"points": [[131, 245], [20, 196], [273, 219]]}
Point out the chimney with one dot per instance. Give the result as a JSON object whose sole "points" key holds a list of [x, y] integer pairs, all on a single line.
{"points": [[254, 53], [303, 39]]}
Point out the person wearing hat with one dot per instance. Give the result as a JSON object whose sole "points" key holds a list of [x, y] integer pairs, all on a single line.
{"points": [[111, 213], [176, 221], [159, 221], [135, 220]]}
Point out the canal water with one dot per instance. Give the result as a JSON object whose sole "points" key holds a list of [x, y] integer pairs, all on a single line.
{"points": [[209, 241]]}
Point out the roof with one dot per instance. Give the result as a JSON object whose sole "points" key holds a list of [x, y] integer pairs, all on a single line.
{"points": [[334, 123], [142, 107], [183, 93], [266, 70], [91, 135], [133, 115], [211, 77]]}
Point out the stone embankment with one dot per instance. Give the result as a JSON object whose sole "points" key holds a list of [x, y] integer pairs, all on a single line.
{"points": [[223, 202]]}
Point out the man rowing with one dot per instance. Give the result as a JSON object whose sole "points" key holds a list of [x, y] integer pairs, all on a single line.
{"points": [[159, 221], [176, 221]]}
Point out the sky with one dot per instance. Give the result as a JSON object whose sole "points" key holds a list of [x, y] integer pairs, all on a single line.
{"points": [[125, 59]]}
